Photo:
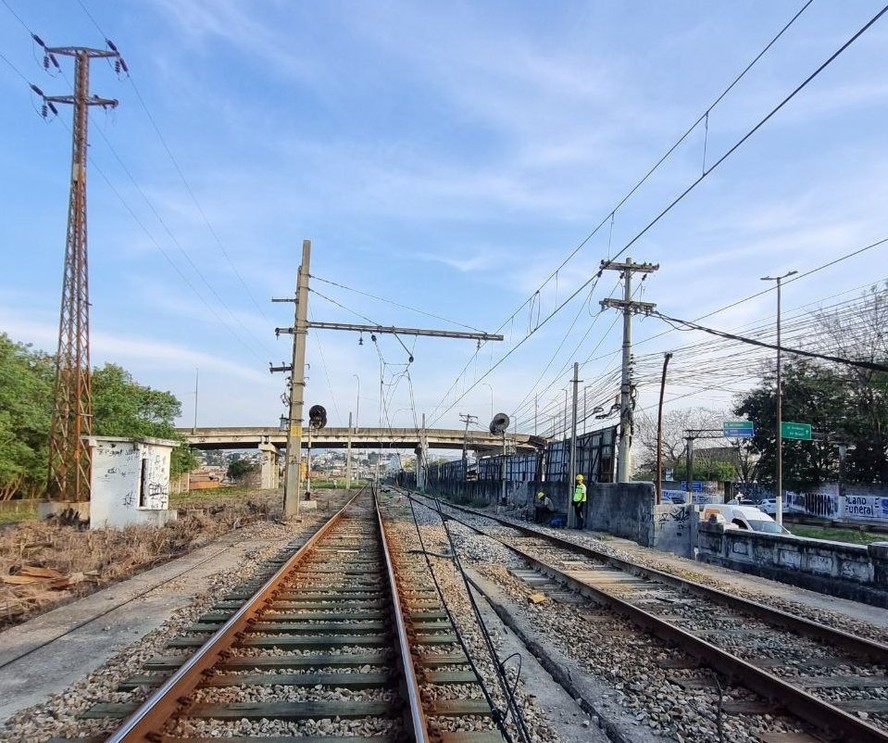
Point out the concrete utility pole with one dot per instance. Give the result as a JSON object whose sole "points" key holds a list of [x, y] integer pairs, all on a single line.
{"points": [[573, 446], [467, 419], [348, 456], [69, 454], [293, 486], [629, 307]]}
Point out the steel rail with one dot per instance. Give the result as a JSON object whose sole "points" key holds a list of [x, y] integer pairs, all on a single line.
{"points": [[145, 722], [414, 713], [859, 646], [828, 718]]}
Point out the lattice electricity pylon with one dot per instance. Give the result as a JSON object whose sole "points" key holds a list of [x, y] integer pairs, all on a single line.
{"points": [[69, 455]]}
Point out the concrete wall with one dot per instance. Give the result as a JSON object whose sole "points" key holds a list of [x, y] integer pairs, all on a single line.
{"points": [[130, 482], [847, 570], [622, 509], [675, 528]]}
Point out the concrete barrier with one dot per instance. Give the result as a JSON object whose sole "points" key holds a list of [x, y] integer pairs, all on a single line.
{"points": [[849, 571], [622, 509], [675, 528]]}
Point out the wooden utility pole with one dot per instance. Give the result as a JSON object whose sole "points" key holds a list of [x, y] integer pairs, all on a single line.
{"points": [[69, 454], [629, 307]]}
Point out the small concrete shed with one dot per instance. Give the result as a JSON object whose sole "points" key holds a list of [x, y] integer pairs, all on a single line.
{"points": [[130, 482]]}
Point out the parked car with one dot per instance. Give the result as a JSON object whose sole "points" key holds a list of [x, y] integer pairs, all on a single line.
{"points": [[744, 517], [769, 506]]}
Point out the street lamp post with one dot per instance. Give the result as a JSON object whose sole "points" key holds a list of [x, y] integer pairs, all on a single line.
{"points": [[779, 494], [492, 412]]}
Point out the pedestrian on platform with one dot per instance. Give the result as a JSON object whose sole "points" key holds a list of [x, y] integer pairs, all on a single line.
{"points": [[579, 502], [543, 510]]}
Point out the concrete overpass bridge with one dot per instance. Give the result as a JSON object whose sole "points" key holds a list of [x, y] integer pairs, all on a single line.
{"points": [[270, 440]]}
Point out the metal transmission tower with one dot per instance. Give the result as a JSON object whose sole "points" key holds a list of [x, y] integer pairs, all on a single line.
{"points": [[627, 401], [69, 460]]}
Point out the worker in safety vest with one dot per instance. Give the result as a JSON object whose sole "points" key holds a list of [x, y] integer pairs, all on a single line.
{"points": [[579, 502], [543, 511]]}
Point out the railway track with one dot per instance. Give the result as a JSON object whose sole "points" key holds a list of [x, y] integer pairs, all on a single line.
{"points": [[345, 641], [833, 681]]}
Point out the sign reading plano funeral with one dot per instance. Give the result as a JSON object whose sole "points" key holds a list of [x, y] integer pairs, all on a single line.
{"points": [[866, 507]]}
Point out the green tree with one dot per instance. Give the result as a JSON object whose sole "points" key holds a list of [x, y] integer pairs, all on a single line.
{"points": [[859, 333], [240, 468], [812, 393], [123, 407], [25, 408], [844, 403]]}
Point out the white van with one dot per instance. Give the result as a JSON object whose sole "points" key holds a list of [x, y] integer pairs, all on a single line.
{"points": [[743, 517]]}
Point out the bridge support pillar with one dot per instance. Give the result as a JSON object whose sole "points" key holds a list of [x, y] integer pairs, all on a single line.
{"points": [[420, 468], [269, 467]]}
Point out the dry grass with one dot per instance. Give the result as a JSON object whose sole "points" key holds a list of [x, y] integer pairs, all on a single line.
{"points": [[97, 558]]}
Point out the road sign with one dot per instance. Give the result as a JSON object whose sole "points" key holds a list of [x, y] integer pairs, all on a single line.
{"points": [[801, 431], [738, 429]]}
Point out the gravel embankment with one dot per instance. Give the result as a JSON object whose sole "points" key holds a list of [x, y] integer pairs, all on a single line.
{"points": [[615, 651]]}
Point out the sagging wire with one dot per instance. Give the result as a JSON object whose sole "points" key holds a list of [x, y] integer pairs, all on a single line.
{"points": [[676, 323], [705, 140], [501, 675], [498, 717], [535, 300]]}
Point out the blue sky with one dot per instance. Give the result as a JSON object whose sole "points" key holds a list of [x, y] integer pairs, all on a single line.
{"points": [[447, 158]]}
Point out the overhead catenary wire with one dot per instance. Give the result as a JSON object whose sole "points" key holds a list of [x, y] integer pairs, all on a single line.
{"points": [[394, 304], [696, 182], [609, 218]]}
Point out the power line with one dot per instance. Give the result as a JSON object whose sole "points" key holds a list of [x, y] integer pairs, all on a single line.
{"points": [[14, 68], [752, 341], [179, 172], [154, 211], [696, 181], [666, 155]]}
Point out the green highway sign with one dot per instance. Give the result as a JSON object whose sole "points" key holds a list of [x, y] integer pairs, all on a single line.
{"points": [[738, 429], [801, 431]]}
